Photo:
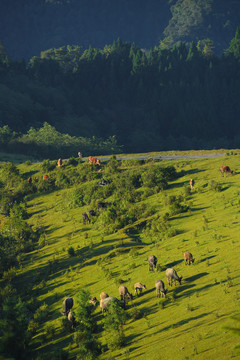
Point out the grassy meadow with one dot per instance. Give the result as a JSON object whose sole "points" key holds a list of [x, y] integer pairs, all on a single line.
{"points": [[193, 320]]}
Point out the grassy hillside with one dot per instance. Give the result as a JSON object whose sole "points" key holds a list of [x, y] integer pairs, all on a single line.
{"points": [[192, 320]]}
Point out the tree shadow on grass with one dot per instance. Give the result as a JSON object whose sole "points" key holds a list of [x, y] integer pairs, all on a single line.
{"points": [[174, 263], [183, 322], [207, 258], [29, 173], [195, 277]]}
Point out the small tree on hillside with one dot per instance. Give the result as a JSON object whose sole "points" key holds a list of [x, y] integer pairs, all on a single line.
{"points": [[113, 325], [88, 346]]}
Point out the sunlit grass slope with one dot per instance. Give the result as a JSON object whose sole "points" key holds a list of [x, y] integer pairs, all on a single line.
{"points": [[191, 321]]}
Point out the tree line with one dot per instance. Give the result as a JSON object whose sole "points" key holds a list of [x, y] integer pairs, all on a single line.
{"points": [[166, 98]]}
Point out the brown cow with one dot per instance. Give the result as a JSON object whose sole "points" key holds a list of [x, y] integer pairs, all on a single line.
{"points": [[124, 293], [59, 162], [160, 288], [93, 160], [139, 287], [225, 169], [45, 177], [192, 182], [188, 258]]}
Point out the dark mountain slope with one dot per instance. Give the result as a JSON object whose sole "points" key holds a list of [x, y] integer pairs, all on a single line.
{"points": [[29, 26]]}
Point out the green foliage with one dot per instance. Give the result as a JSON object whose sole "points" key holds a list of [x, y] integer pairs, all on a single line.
{"points": [[41, 313], [16, 237], [71, 251], [157, 177], [215, 186], [14, 329], [136, 313], [88, 346], [234, 47], [113, 325], [112, 166], [84, 312], [48, 165]]}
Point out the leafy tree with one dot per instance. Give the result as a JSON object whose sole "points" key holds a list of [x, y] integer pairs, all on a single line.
{"points": [[14, 337], [234, 47], [88, 346], [113, 325]]}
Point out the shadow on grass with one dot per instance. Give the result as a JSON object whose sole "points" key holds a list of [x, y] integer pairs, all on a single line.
{"points": [[30, 173], [174, 263], [196, 277], [207, 258], [184, 321]]}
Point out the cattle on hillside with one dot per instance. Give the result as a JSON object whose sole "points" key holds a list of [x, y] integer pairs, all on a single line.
{"points": [[152, 262], [45, 177], [103, 295], [160, 288], [106, 302], [192, 183], [138, 287], [225, 169], [93, 160], [171, 275], [124, 293], [59, 162], [188, 258], [67, 305]]}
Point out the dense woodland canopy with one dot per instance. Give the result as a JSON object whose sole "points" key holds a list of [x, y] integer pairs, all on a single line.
{"points": [[177, 98]]}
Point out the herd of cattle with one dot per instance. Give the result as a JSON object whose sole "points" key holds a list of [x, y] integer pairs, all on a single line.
{"points": [[94, 160], [171, 273], [124, 294]]}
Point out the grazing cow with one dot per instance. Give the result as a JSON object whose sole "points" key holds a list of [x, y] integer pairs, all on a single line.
{"points": [[124, 293], [139, 287], [103, 295], [59, 162], [85, 218], [71, 318], [45, 177], [160, 288], [93, 301], [93, 160], [152, 262], [67, 305], [171, 275], [29, 180], [188, 258], [225, 169], [106, 302], [92, 213], [192, 182]]}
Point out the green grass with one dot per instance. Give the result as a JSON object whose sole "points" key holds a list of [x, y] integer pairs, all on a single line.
{"points": [[191, 321]]}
